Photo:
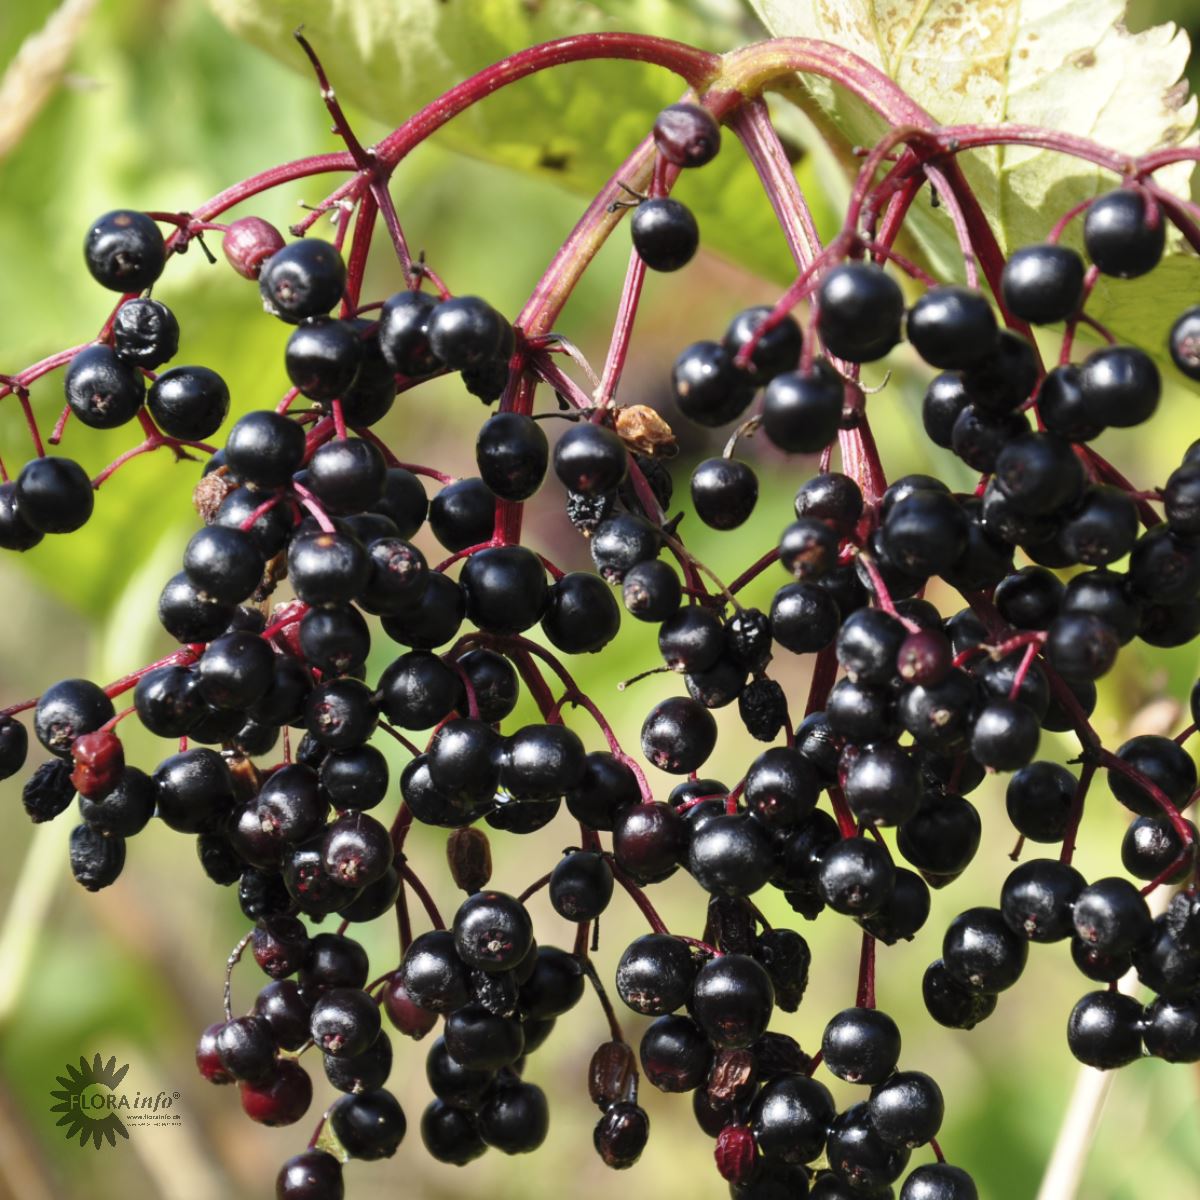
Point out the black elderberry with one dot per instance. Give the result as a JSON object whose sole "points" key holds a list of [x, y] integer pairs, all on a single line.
{"points": [[952, 1004], [808, 548], [15, 532], [708, 388], [1151, 846], [802, 410], [775, 351], [655, 974], [606, 788], [856, 876], [724, 492], [951, 327], [939, 1181], [665, 233], [732, 1000], [1171, 1029], [310, 1175], [1160, 761], [982, 953], [649, 841], [651, 591], [304, 278], [347, 475], [731, 855], [859, 312], [541, 762], [124, 251], [145, 333], [368, 1125], [790, 1117], [861, 1160], [1120, 386], [1037, 898], [68, 710], [1124, 233], [463, 514], [512, 453], [906, 1109], [492, 931], [804, 618], [514, 1117], [1043, 283], [96, 857], [1104, 1030], [53, 495], [678, 735], [861, 1045], [103, 391], [621, 542], [264, 448]]}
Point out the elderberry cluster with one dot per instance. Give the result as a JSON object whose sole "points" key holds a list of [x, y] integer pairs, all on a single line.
{"points": [[305, 559]]}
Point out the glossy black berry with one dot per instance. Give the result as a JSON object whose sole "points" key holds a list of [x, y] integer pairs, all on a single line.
{"points": [[1037, 898], [655, 974], [856, 876], [651, 591], [67, 710], [512, 452], [678, 735], [303, 279], [952, 1004], [775, 351], [1120, 386], [724, 492], [732, 999], [802, 410], [861, 1045], [982, 952], [665, 233], [369, 1125], [463, 514], [492, 931], [939, 1181], [1042, 283], [1123, 235], [862, 1161], [731, 855], [102, 390], [951, 327], [708, 388], [264, 448], [581, 886], [466, 331], [1104, 1030], [860, 308], [53, 495], [404, 333], [124, 251], [1163, 763], [906, 1109], [451, 1135], [515, 1118], [790, 1117]]}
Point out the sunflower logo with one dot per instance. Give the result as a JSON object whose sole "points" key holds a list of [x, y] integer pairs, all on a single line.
{"points": [[88, 1101]]}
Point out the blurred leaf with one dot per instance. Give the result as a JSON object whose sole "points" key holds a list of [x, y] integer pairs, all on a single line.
{"points": [[1055, 64]]}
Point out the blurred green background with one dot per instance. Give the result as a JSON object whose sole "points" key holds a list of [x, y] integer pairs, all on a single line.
{"points": [[159, 107]]}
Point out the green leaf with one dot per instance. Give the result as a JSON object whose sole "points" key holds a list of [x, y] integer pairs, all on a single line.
{"points": [[1056, 64]]}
